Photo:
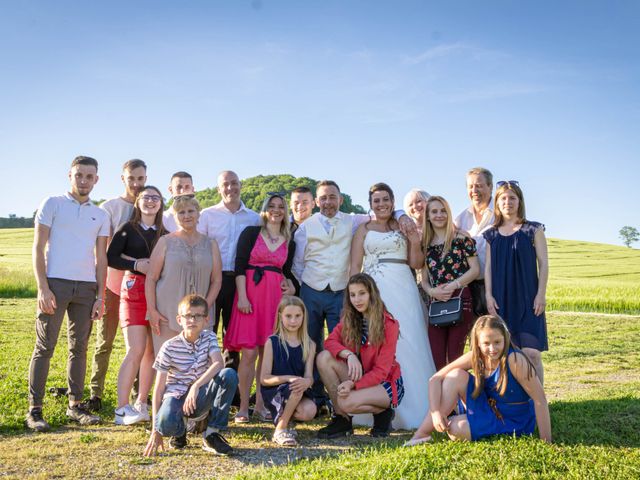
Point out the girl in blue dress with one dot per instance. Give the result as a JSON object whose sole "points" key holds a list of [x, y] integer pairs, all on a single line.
{"points": [[516, 273], [287, 371], [502, 396]]}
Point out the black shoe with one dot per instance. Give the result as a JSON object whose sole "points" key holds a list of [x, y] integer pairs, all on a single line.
{"points": [[178, 442], [94, 404], [339, 427], [35, 421], [81, 414], [216, 443], [382, 423]]}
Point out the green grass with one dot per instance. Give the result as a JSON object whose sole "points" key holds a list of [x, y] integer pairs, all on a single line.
{"points": [[592, 381], [593, 277], [584, 277]]}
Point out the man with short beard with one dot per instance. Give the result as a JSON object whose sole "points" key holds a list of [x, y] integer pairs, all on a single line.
{"points": [[70, 265], [119, 210]]}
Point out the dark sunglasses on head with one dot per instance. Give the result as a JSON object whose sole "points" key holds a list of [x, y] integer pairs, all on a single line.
{"points": [[151, 198], [507, 182], [276, 194]]}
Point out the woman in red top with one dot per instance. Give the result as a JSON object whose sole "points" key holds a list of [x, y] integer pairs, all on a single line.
{"points": [[358, 366]]}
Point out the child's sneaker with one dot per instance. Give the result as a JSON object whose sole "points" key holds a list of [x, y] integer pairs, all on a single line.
{"points": [[35, 421], [178, 442], [339, 427], [81, 414], [128, 415], [143, 408], [216, 443]]}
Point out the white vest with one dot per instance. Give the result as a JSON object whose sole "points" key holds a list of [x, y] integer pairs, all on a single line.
{"points": [[326, 256]]}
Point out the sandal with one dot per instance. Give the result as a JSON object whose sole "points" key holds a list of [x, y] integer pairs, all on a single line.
{"points": [[241, 418], [284, 438], [265, 416], [417, 441]]}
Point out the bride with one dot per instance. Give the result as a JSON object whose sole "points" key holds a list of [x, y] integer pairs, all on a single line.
{"points": [[382, 251]]}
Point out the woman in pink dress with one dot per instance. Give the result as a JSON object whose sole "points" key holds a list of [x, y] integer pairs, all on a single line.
{"points": [[263, 273]]}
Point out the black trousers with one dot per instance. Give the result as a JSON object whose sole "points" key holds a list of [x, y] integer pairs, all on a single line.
{"points": [[224, 305]]}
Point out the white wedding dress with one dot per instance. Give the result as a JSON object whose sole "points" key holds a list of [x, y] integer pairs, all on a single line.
{"points": [[385, 259]]}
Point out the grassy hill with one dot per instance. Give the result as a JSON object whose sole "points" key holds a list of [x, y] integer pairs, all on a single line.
{"points": [[584, 276]]}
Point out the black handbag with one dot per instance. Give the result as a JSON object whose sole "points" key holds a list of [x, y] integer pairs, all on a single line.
{"points": [[446, 314]]}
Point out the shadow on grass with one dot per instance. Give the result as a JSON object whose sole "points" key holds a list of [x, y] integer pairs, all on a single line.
{"points": [[610, 422]]}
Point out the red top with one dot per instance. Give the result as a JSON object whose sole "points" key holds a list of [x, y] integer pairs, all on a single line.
{"points": [[378, 361]]}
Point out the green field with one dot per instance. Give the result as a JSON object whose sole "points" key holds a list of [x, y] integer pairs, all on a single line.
{"points": [[592, 380], [584, 277]]}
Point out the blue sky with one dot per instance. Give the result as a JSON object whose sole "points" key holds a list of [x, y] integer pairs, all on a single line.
{"points": [[411, 93]]}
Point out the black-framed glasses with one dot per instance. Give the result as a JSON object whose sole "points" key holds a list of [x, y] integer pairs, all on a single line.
{"points": [[151, 198], [507, 182]]}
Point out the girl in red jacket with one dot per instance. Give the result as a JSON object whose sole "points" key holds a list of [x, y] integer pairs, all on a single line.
{"points": [[358, 366]]}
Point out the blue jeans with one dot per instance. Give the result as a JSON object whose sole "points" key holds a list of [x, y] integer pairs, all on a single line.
{"points": [[215, 398], [320, 305]]}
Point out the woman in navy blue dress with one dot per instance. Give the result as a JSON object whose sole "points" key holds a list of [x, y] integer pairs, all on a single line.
{"points": [[516, 273], [502, 396]]}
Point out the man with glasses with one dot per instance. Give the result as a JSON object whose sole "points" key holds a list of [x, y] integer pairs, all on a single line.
{"points": [[224, 222], [181, 184], [119, 211], [70, 265], [476, 219]]}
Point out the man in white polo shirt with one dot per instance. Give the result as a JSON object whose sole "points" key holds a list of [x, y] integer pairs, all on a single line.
{"points": [[70, 278], [224, 222], [476, 219], [181, 184], [119, 210]]}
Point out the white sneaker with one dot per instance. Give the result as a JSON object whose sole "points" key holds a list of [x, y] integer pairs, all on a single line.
{"points": [[143, 408], [128, 415]]}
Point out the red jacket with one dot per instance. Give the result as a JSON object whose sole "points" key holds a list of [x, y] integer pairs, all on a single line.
{"points": [[378, 362]]}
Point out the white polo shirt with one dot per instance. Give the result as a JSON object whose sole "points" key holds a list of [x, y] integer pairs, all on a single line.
{"points": [[119, 211], [225, 227], [75, 227]]}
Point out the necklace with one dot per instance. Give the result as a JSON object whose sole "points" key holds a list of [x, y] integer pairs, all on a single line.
{"points": [[273, 240]]}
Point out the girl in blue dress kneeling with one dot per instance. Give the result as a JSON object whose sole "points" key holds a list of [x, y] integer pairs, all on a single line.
{"points": [[287, 371], [503, 396]]}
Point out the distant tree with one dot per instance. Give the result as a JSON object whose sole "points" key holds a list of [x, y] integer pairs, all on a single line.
{"points": [[255, 189], [629, 235]]}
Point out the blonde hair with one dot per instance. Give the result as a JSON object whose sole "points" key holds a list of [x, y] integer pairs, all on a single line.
{"points": [[410, 194], [352, 318], [185, 200], [492, 322], [451, 231], [302, 333], [285, 225]]}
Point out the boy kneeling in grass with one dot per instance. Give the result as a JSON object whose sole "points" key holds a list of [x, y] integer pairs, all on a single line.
{"points": [[191, 383]]}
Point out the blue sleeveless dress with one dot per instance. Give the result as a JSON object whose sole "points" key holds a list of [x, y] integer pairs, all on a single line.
{"points": [[492, 414], [514, 284], [275, 398]]}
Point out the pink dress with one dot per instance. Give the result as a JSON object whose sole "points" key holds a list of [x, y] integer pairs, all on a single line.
{"points": [[251, 330]]}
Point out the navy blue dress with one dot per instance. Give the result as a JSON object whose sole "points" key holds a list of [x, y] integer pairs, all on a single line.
{"points": [[514, 284], [275, 398], [492, 414]]}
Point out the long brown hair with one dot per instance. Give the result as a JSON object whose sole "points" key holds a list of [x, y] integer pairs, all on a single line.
{"points": [[493, 322], [136, 217], [499, 219], [428, 233], [302, 333], [352, 318]]}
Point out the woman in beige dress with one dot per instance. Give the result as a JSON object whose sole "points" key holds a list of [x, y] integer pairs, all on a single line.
{"points": [[182, 263]]}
